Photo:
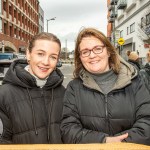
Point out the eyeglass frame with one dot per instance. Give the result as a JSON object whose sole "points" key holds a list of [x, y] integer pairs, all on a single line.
{"points": [[89, 50]]}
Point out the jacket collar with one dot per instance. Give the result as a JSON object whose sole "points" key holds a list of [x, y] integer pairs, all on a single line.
{"points": [[126, 74], [17, 75]]}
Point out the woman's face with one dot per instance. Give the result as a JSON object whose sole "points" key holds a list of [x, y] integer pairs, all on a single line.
{"points": [[94, 63], [43, 58]]}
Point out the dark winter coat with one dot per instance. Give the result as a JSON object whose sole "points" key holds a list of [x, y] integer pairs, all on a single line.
{"points": [[30, 114], [135, 64], [145, 74], [89, 116]]}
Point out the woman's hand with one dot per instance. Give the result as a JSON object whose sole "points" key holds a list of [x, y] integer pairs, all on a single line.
{"points": [[116, 138]]}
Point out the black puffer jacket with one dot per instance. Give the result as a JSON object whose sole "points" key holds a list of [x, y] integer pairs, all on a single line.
{"points": [[145, 74], [30, 114], [135, 64], [89, 115]]}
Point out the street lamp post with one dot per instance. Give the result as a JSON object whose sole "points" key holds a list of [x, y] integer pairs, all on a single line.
{"points": [[66, 49], [49, 20], [3, 46], [114, 13], [114, 38]]}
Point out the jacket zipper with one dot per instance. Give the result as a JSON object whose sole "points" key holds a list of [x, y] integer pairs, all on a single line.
{"points": [[47, 114], [106, 113], [42, 93], [106, 109]]}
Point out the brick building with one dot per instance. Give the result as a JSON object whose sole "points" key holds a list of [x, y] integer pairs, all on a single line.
{"points": [[19, 21], [41, 20], [110, 21]]}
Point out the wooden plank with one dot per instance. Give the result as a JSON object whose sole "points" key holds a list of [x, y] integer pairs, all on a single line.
{"points": [[108, 146]]}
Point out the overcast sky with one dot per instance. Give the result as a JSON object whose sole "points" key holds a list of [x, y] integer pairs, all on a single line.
{"points": [[72, 15]]}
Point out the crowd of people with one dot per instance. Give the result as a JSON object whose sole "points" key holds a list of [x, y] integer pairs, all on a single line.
{"points": [[144, 70], [107, 101]]}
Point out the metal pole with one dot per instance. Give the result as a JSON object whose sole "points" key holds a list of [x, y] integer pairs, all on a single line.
{"points": [[3, 49], [114, 38], [3, 46], [48, 21], [66, 48], [47, 25]]}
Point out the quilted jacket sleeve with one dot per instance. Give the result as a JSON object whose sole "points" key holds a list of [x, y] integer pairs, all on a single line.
{"points": [[71, 127], [6, 136], [145, 77], [140, 131]]}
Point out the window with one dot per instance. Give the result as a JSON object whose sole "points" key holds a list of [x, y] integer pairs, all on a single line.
{"points": [[127, 30], [0, 24], [148, 19], [10, 32], [121, 33], [132, 27], [142, 22], [10, 9], [15, 32], [4, 6], [5, 28], [15, 13], [42, 18]]}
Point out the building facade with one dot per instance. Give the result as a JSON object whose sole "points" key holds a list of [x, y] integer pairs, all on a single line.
{"points": [[41, 19], [109, 25], [127, 18], [19, 21]]}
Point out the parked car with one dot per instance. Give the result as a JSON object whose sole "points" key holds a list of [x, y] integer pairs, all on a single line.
{"points": [[8, 56], [59, 64], [5, 60], [4, 66], [20, 56]]}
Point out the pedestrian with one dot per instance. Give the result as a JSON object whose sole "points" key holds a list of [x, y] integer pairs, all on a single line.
{"points": [[145, 72], [31, 95], [133, 58], [106, 101]]}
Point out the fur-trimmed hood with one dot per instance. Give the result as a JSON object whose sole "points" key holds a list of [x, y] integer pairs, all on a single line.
{"points": [[126, 74], [17, 75]]}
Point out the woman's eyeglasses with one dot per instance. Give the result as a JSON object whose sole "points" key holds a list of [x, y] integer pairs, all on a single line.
{"points": [[95, 50]]}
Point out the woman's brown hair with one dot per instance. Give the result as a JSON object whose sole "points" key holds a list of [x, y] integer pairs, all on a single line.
{"points": [[43, 36], [114, 61]]}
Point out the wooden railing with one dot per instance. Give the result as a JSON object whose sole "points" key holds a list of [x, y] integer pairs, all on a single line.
{"points": [[110, 146]]}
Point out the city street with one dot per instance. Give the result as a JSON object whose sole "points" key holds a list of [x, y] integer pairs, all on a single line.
{"points": [[67, 70]]}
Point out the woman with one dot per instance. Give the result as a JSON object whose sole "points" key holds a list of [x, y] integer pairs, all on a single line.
{"points": [[106, 102], [31, 95], [145, 72], [133, 59]]}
